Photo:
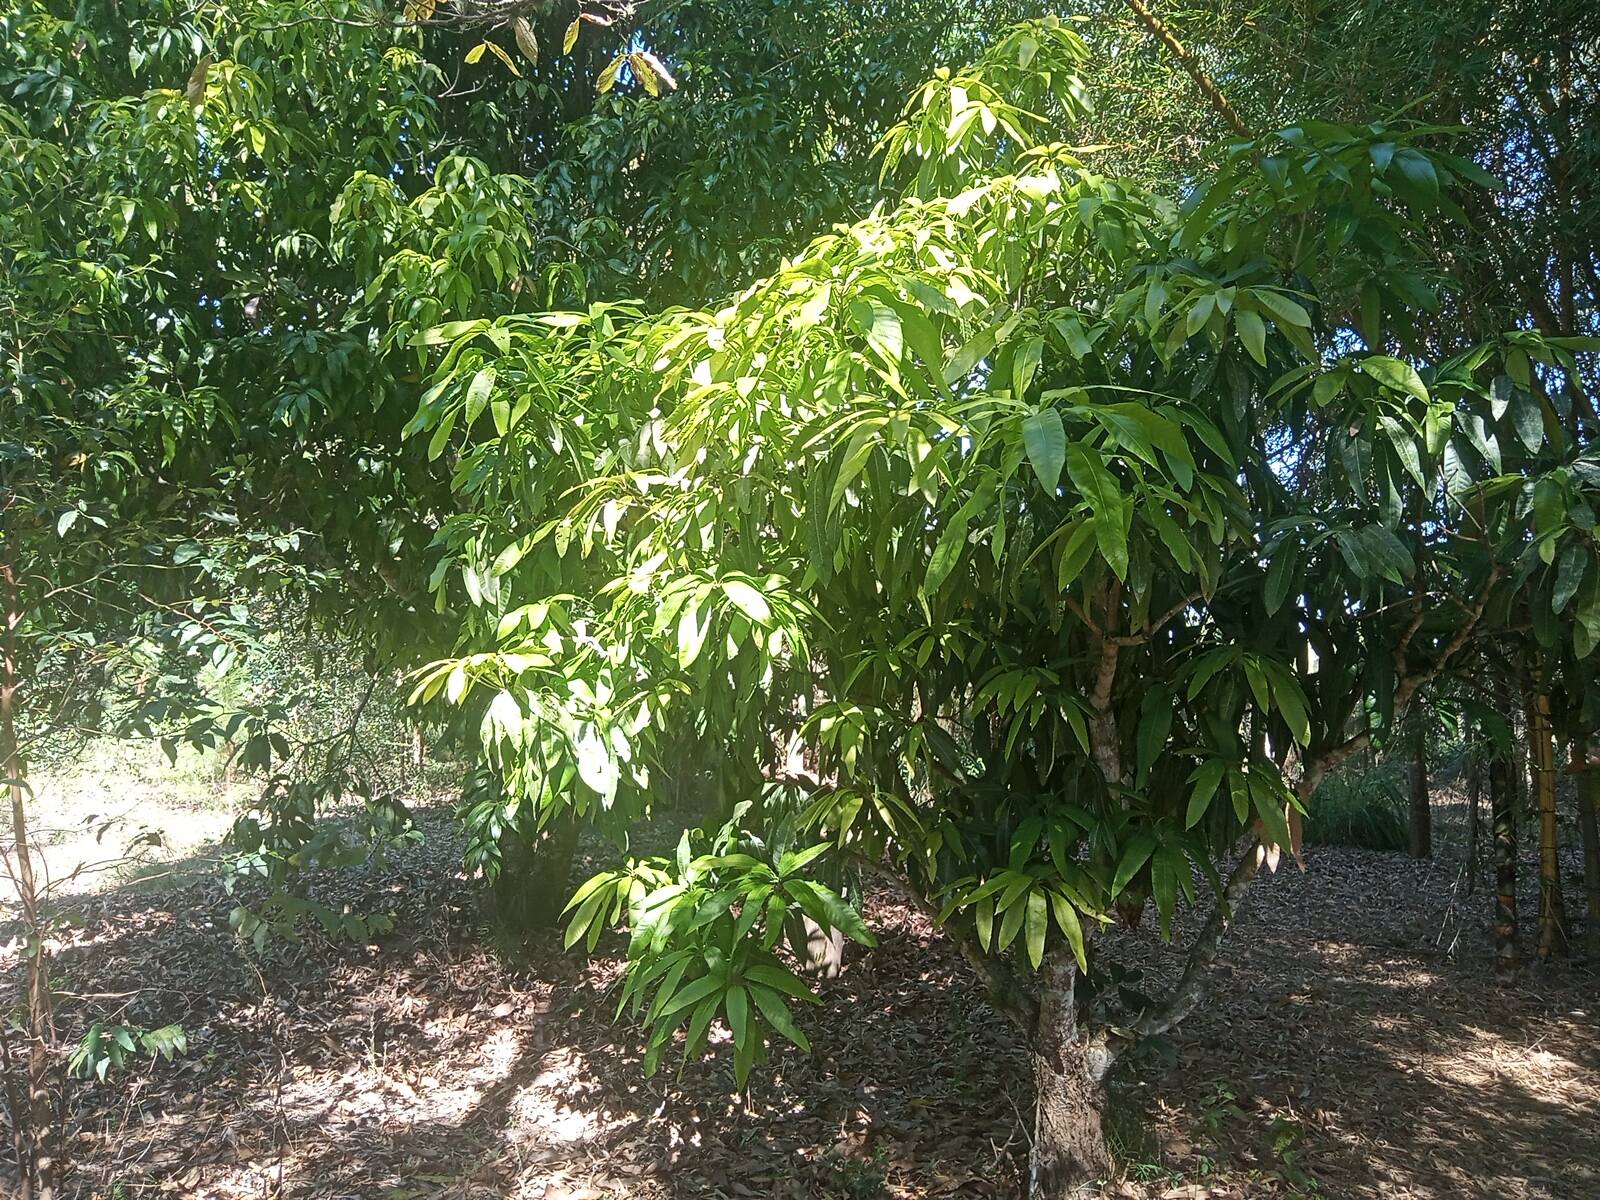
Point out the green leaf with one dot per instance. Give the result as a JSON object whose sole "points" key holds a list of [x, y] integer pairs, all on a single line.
{"points": [[1155, 724], [1396, 375], [983, 921], [1038, 922], [1076, 550], [946, 554], [1527, 418], [692, 632], [1134, 856], [1164, 884], [1418, 172], [880, 324], [1282, 574], [828, 908], [1045, 439], [1024, 365], [1282, 309], [1099, 487], [1569, 576], [1205, 778], [1011, 925], [736, 1003], [1253, 333], [1269, 807], [1289, 700], [747, 600], [1067, 919], [478, 393], [1586, 627], [776, 1013]]}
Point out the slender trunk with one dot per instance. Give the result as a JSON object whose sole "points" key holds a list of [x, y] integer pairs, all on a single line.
{"points": [[1503, 814], [1552, 910], [35, 1143], [1421, 813], [419, 750], [1069, 1148], [1588, 789], [1474, 810]]}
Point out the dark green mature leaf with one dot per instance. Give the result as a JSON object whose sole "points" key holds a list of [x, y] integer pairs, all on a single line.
{"points": [[1570, 571], [1527, 418], [1134, 855], [1281, 574], [1099, 488], [1046, 442]]}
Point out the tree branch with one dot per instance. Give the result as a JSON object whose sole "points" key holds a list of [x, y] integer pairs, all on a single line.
{"points": [[1190, 64], [1186, 996], [1005, 993]]}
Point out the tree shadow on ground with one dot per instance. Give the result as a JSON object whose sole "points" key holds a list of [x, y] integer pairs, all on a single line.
{"points": [[1358, 1043], [1349, 1051]]}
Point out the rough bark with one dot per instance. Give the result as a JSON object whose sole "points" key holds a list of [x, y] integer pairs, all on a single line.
{"points": [[1552, 907], [1421, 811], [1069, 1147], [1503, 814]]}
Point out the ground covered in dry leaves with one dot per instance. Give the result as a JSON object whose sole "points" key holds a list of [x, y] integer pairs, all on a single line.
{"points": [[1356, 1046]]}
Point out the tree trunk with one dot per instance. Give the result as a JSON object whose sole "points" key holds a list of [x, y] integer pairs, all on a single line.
{"points": [[33, 1125], [1474, 809], [1421, 813], [1588, 789], [1503, 814], [1552, 909], [824, 956], [533, 885], [1069, 1147]]}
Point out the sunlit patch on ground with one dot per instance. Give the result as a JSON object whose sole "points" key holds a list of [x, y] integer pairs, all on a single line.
{"points": [[1350, 1051]]}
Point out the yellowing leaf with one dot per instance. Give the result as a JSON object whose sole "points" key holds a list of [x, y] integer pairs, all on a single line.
{"points": [[526, 42], [608, 77], [418, 11], [652, 73], [476, 52], [505, 58], [642, 73], [570, 38], [195, 89]]}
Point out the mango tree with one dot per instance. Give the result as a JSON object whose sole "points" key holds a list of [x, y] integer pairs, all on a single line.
{"points": [[1033, 544]]}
